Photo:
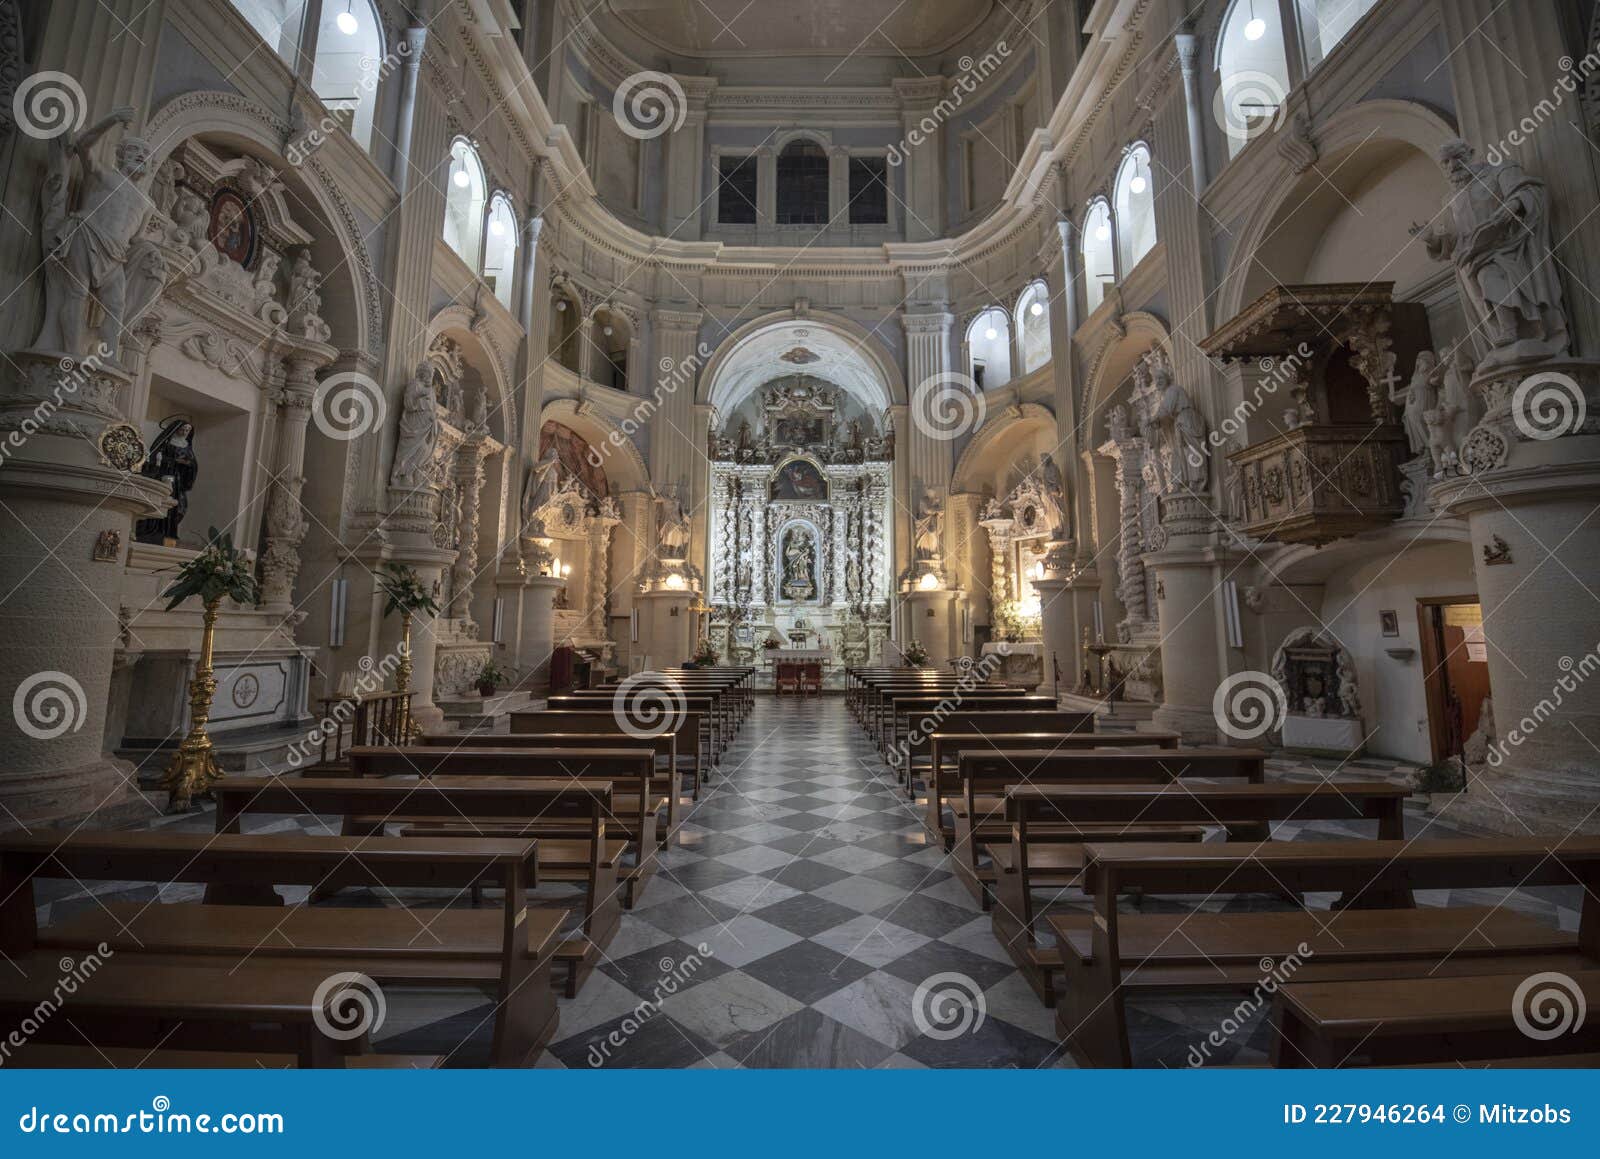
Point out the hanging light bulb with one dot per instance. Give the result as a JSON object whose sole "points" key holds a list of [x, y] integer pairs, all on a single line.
{"points": [[607, 331], [497, 227], [991, 334], [1138, 184], [1103, 232], [1257, 27], [1036, 309], [347, 22]]}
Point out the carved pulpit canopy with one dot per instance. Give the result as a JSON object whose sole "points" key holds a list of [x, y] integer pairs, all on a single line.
{"points": [[1303, 323]]}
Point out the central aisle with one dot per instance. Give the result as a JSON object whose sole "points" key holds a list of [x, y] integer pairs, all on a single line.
{"points": [[824, 905]]}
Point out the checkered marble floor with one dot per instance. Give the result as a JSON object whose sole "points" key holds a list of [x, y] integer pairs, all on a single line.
{"points": [[793, 924]]}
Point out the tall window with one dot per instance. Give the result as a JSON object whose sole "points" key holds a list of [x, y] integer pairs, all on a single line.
{"points": [[500, 249], [349, 56], [1033, 326], [803, 184], [1099, 255], [1252, 70], [736, 191], [1136, 208], [1324, 23], [463, 203], [869, 191], [277, 22], [989, 349]]}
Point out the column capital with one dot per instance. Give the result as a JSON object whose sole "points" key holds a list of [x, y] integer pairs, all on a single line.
{"points": [[928, 323], [677, 319]]}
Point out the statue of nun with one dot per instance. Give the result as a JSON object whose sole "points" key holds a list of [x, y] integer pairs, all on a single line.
{"points": [[172, 460]]}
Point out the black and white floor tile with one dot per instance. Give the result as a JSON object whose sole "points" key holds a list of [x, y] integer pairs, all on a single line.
{"points": [[793, 924]]}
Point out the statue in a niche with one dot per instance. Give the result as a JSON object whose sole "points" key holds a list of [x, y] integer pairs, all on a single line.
{"points": [[94, 257], [928, 533], [419, 432], [172, 460], [1416, 400], [1183, 432], [799, 570], [672, 527], [1497, 235], [544, 479]]}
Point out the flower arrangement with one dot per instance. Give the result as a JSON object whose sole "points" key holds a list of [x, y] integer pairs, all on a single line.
{"points": [[221, 570], [771, 642], [404, 590], [705, 653], [915, 654]]}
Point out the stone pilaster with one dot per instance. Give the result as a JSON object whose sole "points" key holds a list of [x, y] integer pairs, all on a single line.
{"points": [[286, 523]]}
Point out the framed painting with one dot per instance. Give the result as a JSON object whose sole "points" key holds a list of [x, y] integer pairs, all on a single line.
{"points": [[799, 482], [233, 227]]}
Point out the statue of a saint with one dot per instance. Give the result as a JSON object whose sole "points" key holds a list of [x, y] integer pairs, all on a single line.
{"points": [[1183, 432], [672, 525], [799, 579], [92, 249], [1416, 400], [928, 535], [544, 479], [419, 432], [1497, 235], [172, 460]]}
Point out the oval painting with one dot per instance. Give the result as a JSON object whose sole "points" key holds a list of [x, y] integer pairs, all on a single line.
{"points": [[233, 227]]}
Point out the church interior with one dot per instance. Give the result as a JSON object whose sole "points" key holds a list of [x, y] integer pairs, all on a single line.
{"points": [[738, 533]]}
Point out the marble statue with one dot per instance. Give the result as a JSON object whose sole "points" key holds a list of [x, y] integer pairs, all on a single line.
{"points": [[672, 525], [305, 299], [1497, 235], [419, 432], [1416, 399], [544, 479], [1053, 494], [171, 459], [799, 575], [1183, 453], [928, 535], [92, 248]]}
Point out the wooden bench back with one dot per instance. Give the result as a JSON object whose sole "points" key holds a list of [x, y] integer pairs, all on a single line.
{"points": [[977, 721], [664, 745], [1203, 804], [685, 727], [991, 770], [583, 800]]}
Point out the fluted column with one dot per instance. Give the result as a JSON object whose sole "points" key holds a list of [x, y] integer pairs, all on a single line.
{"points": [[937, 417], [411, 45], [674, 444], [920, 154], [685, 149]]}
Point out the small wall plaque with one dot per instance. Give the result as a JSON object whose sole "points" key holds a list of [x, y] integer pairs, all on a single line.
{"points": [[107, 546]]}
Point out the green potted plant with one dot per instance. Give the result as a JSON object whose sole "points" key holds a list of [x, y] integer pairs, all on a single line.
{"points": [[407, 595], [1442, 777], [221, 571], [489, 679]]}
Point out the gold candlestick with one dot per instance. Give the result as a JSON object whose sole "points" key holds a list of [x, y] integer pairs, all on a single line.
{"points": [[410, 731], [193, 768]]}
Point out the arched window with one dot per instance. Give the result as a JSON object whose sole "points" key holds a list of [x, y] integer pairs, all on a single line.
{"points": [[610, 337], [1252, 70], [989, 349], [1099, 255], [463, 203], [803, 184], [1324, 23], [1136, 208], [349, 57], [500, 249], [1033, 325], [566, 325], [277, 22]]}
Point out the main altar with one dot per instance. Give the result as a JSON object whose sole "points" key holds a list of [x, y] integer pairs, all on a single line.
{"points": [[801, 524]]}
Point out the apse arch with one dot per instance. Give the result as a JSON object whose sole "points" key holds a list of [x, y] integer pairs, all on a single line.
{"points": [[846, 355], [1384, 132], [978, 456], [623, 464]]}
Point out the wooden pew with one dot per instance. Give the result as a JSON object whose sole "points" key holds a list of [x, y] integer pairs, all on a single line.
{"points": [[684, 731], [668, 779], [1049, 824], [633, 810], [1430, 1021], [945, 749], [577, 811], [979, 721], [48, 1056], [221, 967], [1108, 955], [709, 715], [920, 714]]}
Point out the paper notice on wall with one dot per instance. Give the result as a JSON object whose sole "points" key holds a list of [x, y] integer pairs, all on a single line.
{"points": [[1477, 647]]}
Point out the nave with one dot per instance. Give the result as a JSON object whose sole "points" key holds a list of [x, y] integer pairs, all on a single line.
{"points": [[825, 903]]}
